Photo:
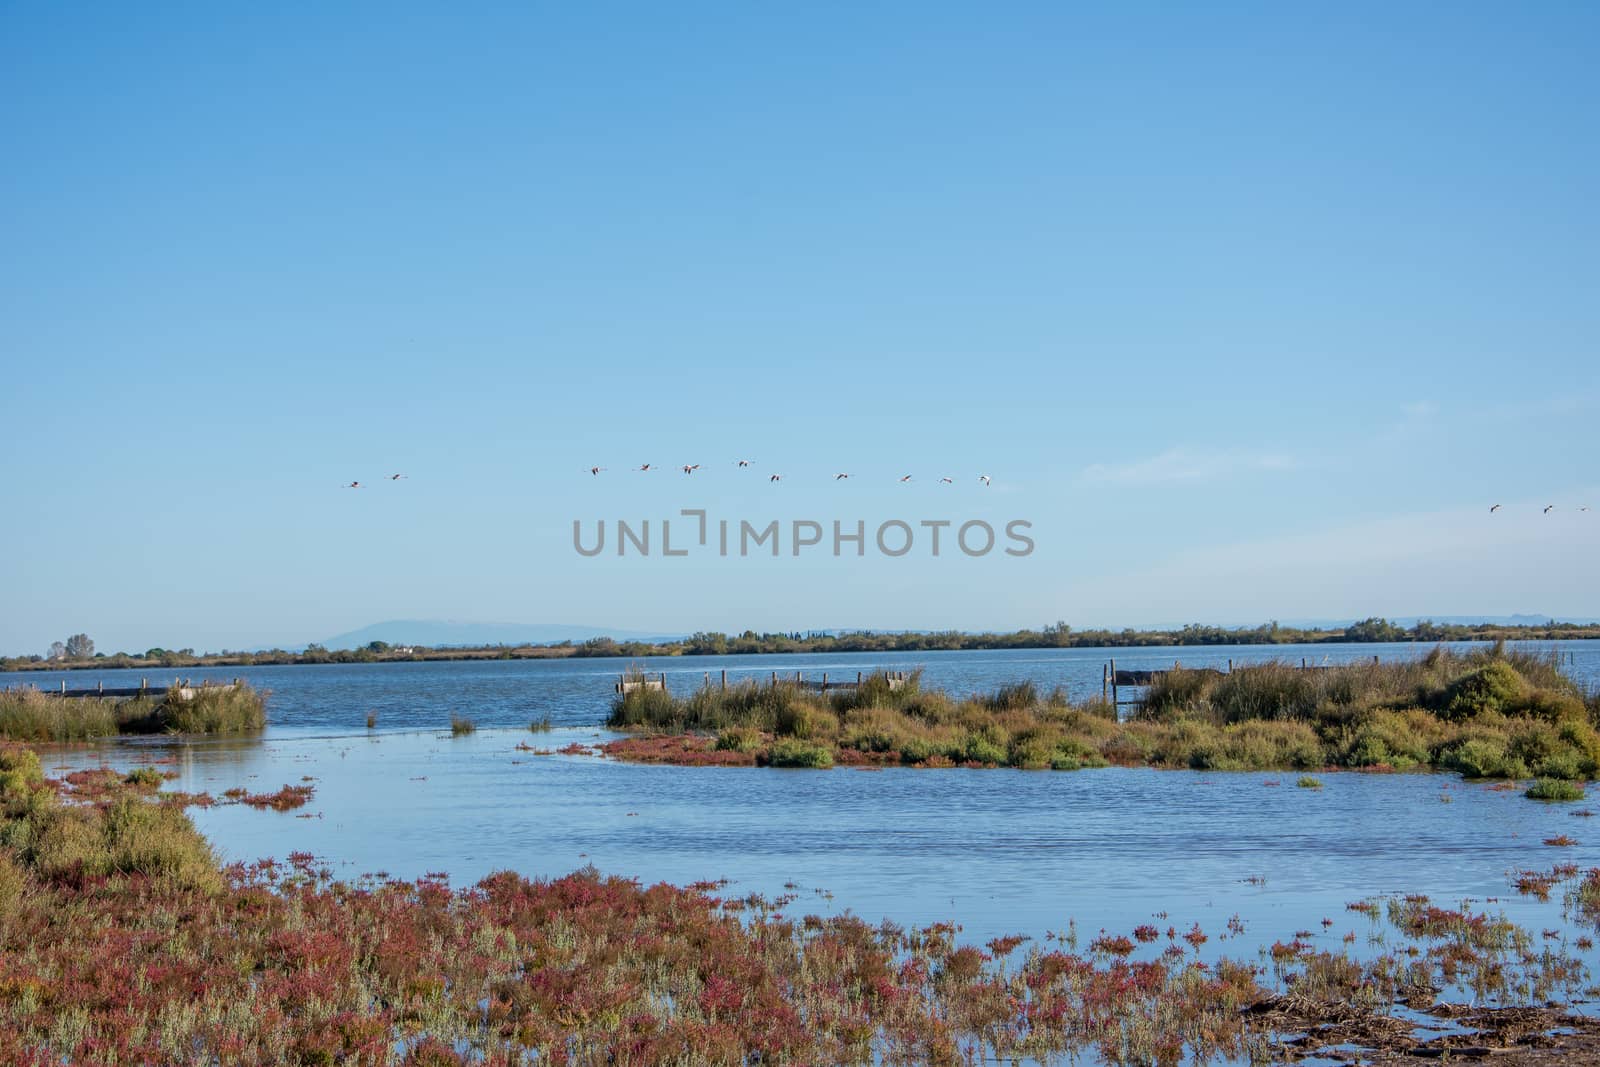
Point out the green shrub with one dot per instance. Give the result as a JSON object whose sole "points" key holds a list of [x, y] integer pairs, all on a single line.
{"points": [[1032, 753], [1554, 789], [158, 840], [1482, 757], [794, 753], [144, 776], [20, 773], [460, 725], [986, 745], [1072, 754], [1493, 687], [1308, 782], [738, 739]]}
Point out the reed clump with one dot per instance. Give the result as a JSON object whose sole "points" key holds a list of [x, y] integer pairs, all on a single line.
{"points": [[460, 726], [30, 715], [213, 709], [38, 717], [1487, 714]]}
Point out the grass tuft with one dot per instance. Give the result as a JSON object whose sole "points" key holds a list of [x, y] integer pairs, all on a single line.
{"points": [[1554, 789]]}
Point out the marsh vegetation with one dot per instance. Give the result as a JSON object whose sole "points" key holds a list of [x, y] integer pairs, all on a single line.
{"points": [[1491, 713], [28, 714]]}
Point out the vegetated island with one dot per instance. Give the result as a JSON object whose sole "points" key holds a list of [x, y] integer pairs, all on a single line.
{"points": [[1487, 713], [1055, 635], [124, 940], [32, 715]]}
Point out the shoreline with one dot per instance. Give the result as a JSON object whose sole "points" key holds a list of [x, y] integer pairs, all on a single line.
{"points": [[854, 644]]}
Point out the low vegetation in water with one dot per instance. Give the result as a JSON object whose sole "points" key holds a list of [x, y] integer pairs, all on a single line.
{"points": [[1554, 789], [1487, 714], [123, 941], [460, 725], [33, 716]]}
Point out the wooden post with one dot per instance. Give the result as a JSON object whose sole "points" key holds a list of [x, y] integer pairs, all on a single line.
{"points": [[1105, 683], [858, 678], [100, 688], [63, 687], [1114, 713], [1230, 665], [724, 679], [824, 681], [774, 679]]}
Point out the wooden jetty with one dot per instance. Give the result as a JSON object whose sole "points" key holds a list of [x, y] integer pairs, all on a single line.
{"points": [[629, 683], [182, 689]]}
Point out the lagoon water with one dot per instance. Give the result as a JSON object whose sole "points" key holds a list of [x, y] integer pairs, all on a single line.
{"points": [[999, 851], [576, 692]]}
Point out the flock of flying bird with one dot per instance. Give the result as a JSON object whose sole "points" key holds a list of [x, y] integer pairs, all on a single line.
{"points": [[690, 468]]}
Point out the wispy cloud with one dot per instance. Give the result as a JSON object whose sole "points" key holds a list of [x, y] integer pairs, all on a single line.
{"points": [[1417, 410], [1183, 464]]}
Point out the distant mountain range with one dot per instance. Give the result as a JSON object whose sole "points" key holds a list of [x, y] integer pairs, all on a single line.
{"points": [[437, 633]]}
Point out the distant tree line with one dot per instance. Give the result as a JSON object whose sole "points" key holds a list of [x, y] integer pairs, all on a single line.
{"points": [[78, 650]]}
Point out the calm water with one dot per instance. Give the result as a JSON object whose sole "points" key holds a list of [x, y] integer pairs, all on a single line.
{"points": [[999, 850], [577, 692]]}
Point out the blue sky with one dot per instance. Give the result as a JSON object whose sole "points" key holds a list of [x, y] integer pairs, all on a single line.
{"points": [[1251, 310]]}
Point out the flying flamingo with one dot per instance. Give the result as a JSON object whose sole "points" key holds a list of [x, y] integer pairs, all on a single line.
{"points": [[776, 478], [744, 463], [355, 485], [396, 477], [1494, 509], [1584, 508], [984, 478], [907, 478], [1548, 508], [690, 468], [947, 481], [840, 477], [596, 470], [646, 467]]}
